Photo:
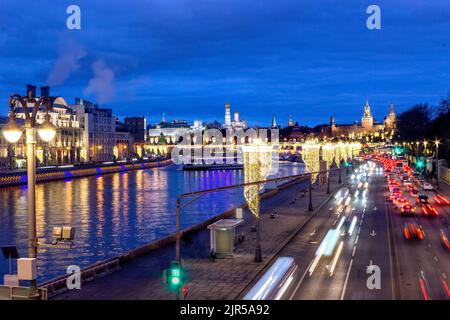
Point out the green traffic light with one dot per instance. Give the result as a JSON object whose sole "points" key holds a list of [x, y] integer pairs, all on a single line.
{"points": [[175, 280]]}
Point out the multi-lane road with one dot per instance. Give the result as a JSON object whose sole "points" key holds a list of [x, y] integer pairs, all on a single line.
{"points": [[375, 261]]}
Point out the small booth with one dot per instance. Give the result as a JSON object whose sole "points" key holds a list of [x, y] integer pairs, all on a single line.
{"points": [[222, 235]]}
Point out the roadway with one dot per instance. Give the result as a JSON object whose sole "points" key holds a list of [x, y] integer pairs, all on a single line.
{"points": [[409, 269]]}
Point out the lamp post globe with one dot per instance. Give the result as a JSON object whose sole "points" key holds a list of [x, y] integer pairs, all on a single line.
{"points": [[12, 131], [47, 130]]}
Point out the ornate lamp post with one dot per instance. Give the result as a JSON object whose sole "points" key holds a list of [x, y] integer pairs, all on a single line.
{"points": [[436, 143], [257, 165], [425, 142], [12, 132]]}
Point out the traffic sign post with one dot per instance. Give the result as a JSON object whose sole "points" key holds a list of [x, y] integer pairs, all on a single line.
{"points": [[174, 277]]}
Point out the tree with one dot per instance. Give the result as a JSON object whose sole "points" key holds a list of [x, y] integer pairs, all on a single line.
{"points": [[413, 123], [444, 106]]}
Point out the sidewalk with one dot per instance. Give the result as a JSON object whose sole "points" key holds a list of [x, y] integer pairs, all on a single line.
{"points": [[222, 279]]}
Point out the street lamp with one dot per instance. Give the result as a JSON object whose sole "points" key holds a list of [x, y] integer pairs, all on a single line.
{"points": [[436, 142], [425, 142], [12, 132]]}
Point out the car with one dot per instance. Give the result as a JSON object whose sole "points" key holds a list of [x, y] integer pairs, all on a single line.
{"points": [[394, 197], [413, 231], [400, 202], [440, 199], [428, 210], [414, 192], [407, 209], [422, 199], [395, 190], [427, 186], [444, 239]]}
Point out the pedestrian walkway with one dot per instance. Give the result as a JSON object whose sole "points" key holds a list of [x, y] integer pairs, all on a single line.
{"points": [[223, 279]]}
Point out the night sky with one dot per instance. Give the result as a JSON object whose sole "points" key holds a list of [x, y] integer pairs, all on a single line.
{"points": [[308, 58]]}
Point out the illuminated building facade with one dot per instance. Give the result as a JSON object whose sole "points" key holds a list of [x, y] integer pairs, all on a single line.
{"points": [[368, 125], [98, 130], [66, 148]]}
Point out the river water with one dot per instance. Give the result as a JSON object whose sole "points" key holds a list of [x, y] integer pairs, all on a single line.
{"points": [[113, 213]]}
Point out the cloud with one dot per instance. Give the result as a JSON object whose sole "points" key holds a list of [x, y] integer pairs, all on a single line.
{"points": [[66, 63], [102, 85]]}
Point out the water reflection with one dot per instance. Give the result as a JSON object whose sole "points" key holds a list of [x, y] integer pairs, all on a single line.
{"points": [[113, 213]]}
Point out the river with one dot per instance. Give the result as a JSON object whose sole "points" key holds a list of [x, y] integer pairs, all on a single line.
{"points": [[113, 213]]}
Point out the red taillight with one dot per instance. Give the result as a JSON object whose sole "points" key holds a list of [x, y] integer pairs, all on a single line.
{"points": [[424, 290], [446, 290], [420, 234]]}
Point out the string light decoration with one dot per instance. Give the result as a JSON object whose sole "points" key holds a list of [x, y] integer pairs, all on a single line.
{"points": [[311, 156], [328, 151], [257, 165], [338, 153]]}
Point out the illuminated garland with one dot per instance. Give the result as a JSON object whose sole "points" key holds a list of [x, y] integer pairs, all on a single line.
{"points": [[328, 151], [257, 165], [311, 157]]}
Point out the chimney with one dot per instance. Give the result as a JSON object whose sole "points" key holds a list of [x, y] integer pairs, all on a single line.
{"points": [[45, 91], [31, 88]]}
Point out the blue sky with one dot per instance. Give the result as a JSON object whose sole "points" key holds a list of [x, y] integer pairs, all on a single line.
{"points": [[308, 58]]}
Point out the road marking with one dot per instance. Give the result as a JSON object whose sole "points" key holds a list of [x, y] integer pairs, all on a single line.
{"points": [[353, 253], [346, 279], [357, 238], [301, 280], [373, 233]]}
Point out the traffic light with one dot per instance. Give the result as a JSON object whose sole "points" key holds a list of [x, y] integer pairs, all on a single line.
{"points": [[420, 164], [174, 276]]}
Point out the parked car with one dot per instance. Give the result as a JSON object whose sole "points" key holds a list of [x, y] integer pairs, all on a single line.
{"points": [[427, 186]]}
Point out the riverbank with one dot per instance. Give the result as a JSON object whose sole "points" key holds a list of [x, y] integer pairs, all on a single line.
{"points": [[140, 277], [99, 269], [59, 173]]}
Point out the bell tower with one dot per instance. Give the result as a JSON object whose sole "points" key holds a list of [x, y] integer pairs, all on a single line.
{"points": [[367, 119]]}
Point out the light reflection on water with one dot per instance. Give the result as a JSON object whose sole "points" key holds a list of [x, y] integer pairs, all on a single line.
{"points": [[113, 213]]}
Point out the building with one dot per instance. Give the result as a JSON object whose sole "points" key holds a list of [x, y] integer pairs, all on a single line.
{"points": [[167, 132], [390, 120], [227, 122], [137, 126], [274, 122], [124, 145], [98, 130], [290, 122], [67, 147], [236, 123], [368, 125]]}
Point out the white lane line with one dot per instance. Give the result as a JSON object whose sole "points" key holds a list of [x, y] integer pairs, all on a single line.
{"points": [[301, 280], [353, 253], [346, 280], [356, 241]]}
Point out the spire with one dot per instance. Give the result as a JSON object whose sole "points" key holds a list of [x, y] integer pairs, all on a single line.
{"points": [[164, 117], [392, 108], [290, 123], [367, 113], [274, 122]]}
